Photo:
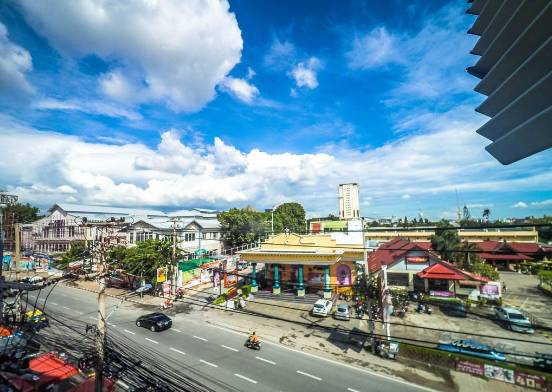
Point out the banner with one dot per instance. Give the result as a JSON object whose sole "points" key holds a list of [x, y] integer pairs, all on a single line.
{"points": [[161, 275], [499, 373], [470, 367], [530, 381]]}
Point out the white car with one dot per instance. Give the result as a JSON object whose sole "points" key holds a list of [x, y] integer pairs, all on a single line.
{"points": [[514, 319], [322, 308]]}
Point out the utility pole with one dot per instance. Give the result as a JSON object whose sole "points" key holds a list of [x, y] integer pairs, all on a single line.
{"points": [[17, 258], [371, 324], [100, 337], [174, 263]]}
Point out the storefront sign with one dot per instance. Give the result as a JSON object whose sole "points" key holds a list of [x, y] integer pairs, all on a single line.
{"points": [[417, 259], [499, 373], [470, 367], [530, 381], [436, 293], [489, 289]]}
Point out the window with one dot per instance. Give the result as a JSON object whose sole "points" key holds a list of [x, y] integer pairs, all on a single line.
{"points": [[397, 279], [71, 231], [131, 238]]}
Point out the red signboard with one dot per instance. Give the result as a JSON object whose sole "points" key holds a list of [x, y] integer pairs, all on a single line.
{"points": [[417, 259], [530, 381]]}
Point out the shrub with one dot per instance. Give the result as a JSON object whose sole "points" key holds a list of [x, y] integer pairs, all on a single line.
{"points": [[246, 290], [220, 300]]}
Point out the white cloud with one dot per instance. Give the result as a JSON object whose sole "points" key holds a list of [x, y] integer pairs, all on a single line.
{"points": [[429, 59], [543, 203], [240, 88], [448, 157], [250, 73], [375, 49], [92, 107], [281, 55], [304, 73], [15, 63], [174, 52], [520, 204], [406, 196]]}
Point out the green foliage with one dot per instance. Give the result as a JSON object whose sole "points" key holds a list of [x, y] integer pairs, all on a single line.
{"points": [[290, 216], [546, 276], [77, 251], [220, 300], [445, 242], [246, 290], [23, 213], [484, 269], [242, 225]]}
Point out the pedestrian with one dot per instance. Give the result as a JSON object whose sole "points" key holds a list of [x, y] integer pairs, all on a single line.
{"points": [[503, 286]]}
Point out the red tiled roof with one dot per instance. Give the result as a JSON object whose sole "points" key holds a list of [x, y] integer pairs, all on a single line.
{"points": [[521, 247], [488, 246], [503, 256], [525, 247], [445, 270], [387, 253]]}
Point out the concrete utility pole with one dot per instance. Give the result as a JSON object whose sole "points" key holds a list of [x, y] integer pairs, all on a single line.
{"points": [[371, 324], [174, 263], [100, 337], [17, 257]]}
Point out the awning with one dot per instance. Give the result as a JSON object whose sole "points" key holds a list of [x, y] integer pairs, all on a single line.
{"points": [[52, 369], [192, 264]]}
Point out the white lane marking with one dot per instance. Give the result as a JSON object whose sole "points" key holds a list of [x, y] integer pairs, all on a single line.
{"points": [[352, 390], [65, 307], [151, 340], [200, 338], [175, 330], [229, 348], [130, 332], [245, 378], [123, 384], [54, 303], [208, 363], [390, 378], [177, 351], [266, 360], [308, 375]]}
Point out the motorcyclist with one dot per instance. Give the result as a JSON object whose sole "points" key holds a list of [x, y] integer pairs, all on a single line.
{"points": [[253, 338]]}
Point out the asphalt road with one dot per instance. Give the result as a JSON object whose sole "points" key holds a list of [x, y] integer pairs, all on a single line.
{"points": [[216, 356]]}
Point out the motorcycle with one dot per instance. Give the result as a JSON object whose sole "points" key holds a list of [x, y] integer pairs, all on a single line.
{"points": [[256, 345], [168, 304], [179, 294]]}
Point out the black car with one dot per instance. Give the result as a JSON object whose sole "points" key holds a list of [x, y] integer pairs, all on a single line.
{"points": [[455, 309], [154, 321]]}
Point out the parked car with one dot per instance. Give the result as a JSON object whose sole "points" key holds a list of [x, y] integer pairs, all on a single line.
{"points": [[342, 312], [513, 319], [322, 308], [543, 362], [472, 347], [154, 322], [454, 309], [37, 319]]}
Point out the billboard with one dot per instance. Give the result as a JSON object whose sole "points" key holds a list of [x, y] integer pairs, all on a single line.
{"points": [[161, 275]]}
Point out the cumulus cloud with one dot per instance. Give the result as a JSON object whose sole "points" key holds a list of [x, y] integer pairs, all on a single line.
{"points": [[406, 196], [15, 63], [218, 174], [92, 107], [174, 52], [376, 48], [304, 73], [543, 203], [241, 89], [520, 204]]}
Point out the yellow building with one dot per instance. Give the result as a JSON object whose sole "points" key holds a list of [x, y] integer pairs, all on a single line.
{"points": [[308, 262], [529, 234]]}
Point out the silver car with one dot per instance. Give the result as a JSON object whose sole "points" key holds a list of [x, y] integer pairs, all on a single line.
{"points": [[514, 319], [342, 312]]}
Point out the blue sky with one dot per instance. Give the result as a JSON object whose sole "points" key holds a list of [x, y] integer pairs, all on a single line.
{"points": [[216, 104]]}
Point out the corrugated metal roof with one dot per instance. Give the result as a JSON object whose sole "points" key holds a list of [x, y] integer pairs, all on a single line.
{"points": [[81, 209]]}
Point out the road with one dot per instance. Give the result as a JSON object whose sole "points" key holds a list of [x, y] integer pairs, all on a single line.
{"points": [[216, 356]]}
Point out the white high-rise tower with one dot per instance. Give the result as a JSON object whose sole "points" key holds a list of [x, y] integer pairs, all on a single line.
{"points": [[349, 201]]}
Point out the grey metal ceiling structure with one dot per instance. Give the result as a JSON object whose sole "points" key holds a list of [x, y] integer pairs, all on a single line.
{"points": [[515, 69]]}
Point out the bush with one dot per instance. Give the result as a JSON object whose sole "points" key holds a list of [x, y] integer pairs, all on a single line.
{"points": [[220, 300], [246, 290]]}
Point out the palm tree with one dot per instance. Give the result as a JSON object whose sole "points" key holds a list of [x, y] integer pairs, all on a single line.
{"points": [[486, 214]]}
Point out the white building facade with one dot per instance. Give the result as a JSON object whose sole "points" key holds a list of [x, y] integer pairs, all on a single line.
{"points": [[349, 201]]}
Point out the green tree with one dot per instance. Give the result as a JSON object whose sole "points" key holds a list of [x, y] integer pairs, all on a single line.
{"points": [[486, 214], [77, 251], [242, 225], [144, 258], [290, 216], [445, 241], [484, 269], [23, 213]]}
